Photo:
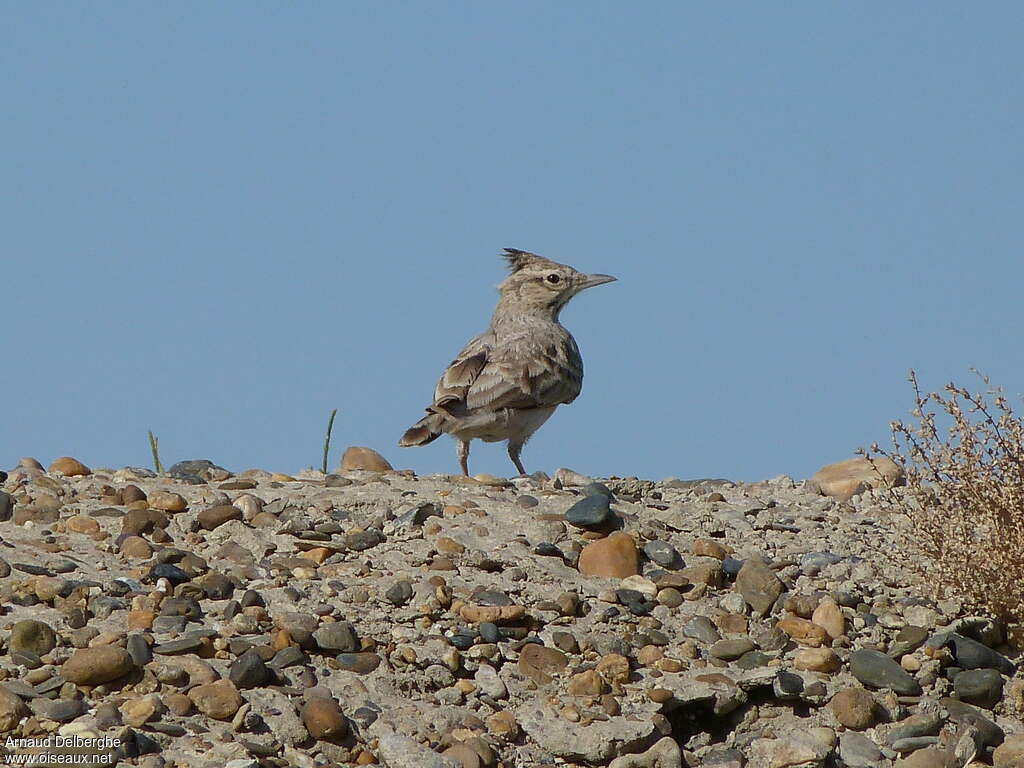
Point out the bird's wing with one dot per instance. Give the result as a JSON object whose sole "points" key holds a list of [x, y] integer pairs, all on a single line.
{"points": [[518, 373]]}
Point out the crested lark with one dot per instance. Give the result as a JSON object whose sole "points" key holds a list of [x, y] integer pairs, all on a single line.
{"points": [[506, 382]]}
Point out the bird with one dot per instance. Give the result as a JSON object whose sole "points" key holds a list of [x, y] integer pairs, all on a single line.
{"points": [[506, 382]]}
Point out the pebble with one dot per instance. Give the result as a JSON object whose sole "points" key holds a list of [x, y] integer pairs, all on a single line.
{"points": [[803, 631], [876, 670], [858, 751], [34, 636], [219, 700], [323, 719], [69, 467], [612, 557], [101, 664], [58, 710], [829, 617], [212, 518], [664, 554], [399, 593], [759, 585], [730, 650], [540, 663], [982, 687], [167, 501], [358, 457], [249, 670], [854, 708], [591, 513], [337, 637], [12, 710], [817, 660], [359, 663]]}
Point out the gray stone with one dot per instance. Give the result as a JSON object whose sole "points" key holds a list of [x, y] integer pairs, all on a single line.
{"points": [[399, 593], [60, 710], [858, 751], [914, 743], [876, 670], [966, 714], [195, 471], [248, 670], [287, 657], [983, 687], [970, 654], [921, 724], [590, 513], [663, 553], [187, 644], [363, 540], [169, 625], [908, 640], [337, 637], [732, 649], [138, 649], [703, 629]]}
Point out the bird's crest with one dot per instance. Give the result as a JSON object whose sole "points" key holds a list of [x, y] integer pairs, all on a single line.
{"points": [[517, 259]]}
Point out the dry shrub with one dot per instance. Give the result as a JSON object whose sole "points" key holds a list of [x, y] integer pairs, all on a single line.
{"points": [[964, 496]]}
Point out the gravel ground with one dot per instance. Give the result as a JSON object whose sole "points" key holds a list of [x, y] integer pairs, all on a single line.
{"points": [[205, 618]]}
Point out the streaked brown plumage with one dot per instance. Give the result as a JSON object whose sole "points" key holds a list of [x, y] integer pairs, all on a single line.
{"points": [[506, 382]]}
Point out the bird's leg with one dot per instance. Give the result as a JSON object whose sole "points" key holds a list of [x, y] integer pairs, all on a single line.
{"points": [[513, 453], [464, 456]]}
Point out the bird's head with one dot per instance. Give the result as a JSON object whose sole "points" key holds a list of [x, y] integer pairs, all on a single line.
{"points": [[539, 284]]}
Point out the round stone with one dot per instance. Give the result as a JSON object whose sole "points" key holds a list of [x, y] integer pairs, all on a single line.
{"points": [[360, 457], [31, 635], [101, 664], [69, 467], [615, 557], [12, 710], [590, 513], [167, 501], [854, 708], [983, 687], [323, 719], [337, 637], [662, 553], [249, 670], [730, 650], [219, 700], [399, 593]]}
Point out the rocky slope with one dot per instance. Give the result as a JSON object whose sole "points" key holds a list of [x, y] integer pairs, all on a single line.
{"points": [[201, 618]]}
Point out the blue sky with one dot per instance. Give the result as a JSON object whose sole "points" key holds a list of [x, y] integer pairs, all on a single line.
{"points": [[222, 220]]}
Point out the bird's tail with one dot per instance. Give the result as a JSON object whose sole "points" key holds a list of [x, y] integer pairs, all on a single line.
{"points": [[424, 431]]}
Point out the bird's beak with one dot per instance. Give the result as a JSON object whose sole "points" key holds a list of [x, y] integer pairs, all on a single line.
{"points": [[592, 280]]}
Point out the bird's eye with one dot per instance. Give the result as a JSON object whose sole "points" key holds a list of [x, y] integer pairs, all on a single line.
{"points": [[553, 278]]}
